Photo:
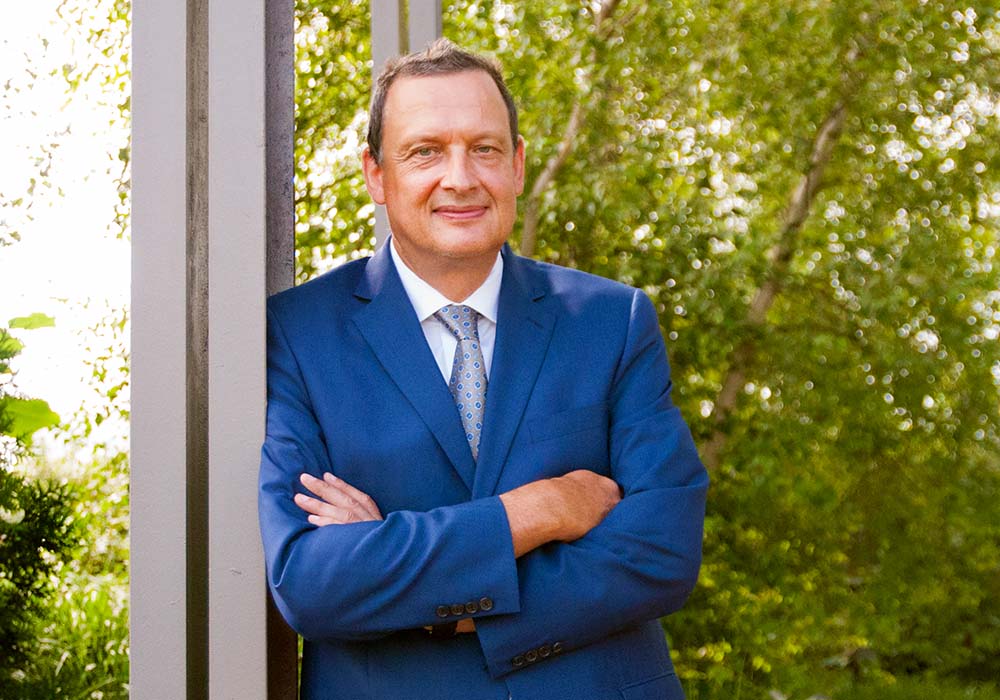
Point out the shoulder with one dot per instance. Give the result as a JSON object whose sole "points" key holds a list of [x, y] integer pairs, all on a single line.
{"points": [[575, 289], [329, 290]]}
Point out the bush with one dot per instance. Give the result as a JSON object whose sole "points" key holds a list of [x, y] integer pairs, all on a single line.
{"points": [[36, 530]]}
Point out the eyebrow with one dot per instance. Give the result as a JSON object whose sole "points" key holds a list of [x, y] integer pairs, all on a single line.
{"points": [[429, 137]]}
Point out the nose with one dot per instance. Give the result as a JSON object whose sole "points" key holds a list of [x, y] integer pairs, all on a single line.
{"points": [[458, 174]]}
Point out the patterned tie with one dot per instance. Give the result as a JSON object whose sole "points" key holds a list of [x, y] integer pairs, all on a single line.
{"points": [[468, 373]]}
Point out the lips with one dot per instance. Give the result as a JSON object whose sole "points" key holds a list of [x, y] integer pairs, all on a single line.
{"points": [[460, 213]]}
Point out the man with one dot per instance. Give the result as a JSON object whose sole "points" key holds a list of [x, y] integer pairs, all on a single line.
{"points": [[474, 484]]}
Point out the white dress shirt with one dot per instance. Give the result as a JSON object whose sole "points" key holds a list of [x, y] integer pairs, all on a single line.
{"points": [[426, 300]]}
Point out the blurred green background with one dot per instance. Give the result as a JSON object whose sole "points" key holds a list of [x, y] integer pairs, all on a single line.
{"points": [[810, 194]]}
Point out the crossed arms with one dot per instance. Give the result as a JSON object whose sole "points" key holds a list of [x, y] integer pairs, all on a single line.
{"points": [[559, 509]]}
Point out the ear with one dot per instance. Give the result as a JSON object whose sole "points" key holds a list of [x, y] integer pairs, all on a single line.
{"points": [[519, 165], [373, 176]]}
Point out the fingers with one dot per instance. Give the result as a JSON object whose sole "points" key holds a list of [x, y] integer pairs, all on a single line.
{"points": [[359, 496], [335, 502], [323, 513]]}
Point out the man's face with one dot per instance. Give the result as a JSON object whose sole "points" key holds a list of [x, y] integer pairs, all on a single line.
{"points": [[449, 176]]}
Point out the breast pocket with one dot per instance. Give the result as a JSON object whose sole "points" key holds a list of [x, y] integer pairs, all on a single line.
{"points": [[576, 438]]}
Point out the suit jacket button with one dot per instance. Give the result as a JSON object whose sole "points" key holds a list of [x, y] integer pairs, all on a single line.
{"points": [[485, 604], [472, 607], [557, 648], [457, 609], [442, 611], [545, 651], [531, 657], [518, 661]]}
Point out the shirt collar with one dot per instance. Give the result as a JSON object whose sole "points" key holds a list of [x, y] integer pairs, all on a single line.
{"points": [[426, 300]]}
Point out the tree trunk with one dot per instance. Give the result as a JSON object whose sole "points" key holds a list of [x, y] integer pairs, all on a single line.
{"points": [[533, 203], [799, 203]]}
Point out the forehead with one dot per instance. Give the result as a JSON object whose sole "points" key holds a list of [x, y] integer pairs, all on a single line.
{"points": [[465, 100]]}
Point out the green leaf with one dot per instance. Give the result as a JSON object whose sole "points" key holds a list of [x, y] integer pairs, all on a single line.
{"points": [[35, 320], [9, 346], [27, 416]]}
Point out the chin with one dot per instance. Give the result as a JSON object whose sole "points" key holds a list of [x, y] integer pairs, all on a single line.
{"points": [[459, 247]]}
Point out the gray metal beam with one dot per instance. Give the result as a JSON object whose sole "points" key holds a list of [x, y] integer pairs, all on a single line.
{"points": [[425, 23], [280, 150], [282, 646], [158, 490], [237, 235], [386, 21]]}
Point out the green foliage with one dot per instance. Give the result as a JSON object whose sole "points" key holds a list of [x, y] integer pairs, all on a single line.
{"points": [[35, 320], [63, 581], [923, 689], [27, 416], [36, 526], [854, 519], [82, 641], [334, 216], [82, 646], [35, 529]]}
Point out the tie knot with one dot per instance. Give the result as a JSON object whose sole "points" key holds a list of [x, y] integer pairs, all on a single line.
{"points": [[461, 321]]}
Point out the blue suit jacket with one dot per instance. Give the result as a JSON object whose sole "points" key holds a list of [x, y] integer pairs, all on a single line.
{"points": [[579, 379]]}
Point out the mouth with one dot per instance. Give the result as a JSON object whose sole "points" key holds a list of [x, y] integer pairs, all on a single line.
{"points": [[460, 213]]}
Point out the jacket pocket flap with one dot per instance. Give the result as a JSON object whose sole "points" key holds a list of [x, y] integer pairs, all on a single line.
{"points": [[665, 687]]}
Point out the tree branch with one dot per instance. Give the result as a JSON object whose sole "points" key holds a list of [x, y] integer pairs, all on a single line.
{"points": [[799, 204], [567, 143]]}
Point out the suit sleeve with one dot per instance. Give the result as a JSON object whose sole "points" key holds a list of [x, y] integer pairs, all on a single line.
{"points": [[642, 561], [364, 580]]}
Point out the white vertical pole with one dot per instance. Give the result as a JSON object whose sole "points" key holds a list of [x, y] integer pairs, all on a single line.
{"points": [[385, 27], [158, 569], [237, 237], [425, 23]]}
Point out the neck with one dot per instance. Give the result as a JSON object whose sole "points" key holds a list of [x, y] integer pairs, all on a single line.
{"points": [[455, 278], [459, 286]]}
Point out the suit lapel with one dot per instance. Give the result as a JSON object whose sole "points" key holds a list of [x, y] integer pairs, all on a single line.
{"points": [[392, 330], [524, 329]]}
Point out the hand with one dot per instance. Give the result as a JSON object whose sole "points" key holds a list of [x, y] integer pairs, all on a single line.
{"points": [[338, 502], [564, 508], [585, 498]]}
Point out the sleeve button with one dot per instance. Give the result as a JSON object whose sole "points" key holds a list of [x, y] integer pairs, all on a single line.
{"points": [[545, 651], [531, 657], [485, 604], [557, 648], [442, 611], [518, 661], [457, 609], [472, 607]]}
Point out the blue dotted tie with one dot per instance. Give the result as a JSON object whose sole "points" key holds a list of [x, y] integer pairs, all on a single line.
{"points": [[468, 373]]}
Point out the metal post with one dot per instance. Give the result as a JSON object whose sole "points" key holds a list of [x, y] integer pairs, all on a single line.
{"points": [[425, 23], [385, 26], [237, 236], [158, 492]]}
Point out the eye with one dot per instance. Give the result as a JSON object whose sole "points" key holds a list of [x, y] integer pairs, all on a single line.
{"points": [[483, 148]]}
